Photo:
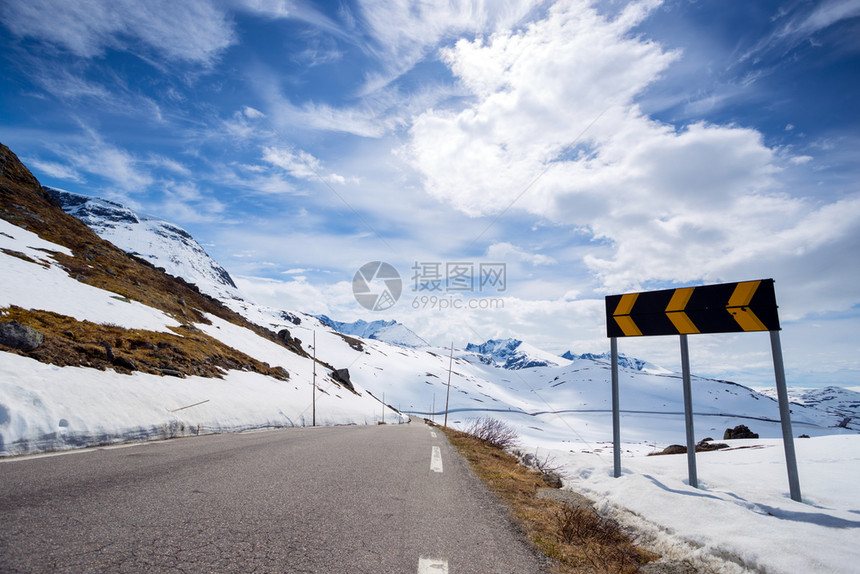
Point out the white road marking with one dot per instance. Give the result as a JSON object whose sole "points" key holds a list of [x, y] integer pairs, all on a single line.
{"points": [[432, 566], [436, 460], [432, 434]]}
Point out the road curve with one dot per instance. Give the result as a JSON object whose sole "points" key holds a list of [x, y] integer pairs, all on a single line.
{"points": [[379, 499]]}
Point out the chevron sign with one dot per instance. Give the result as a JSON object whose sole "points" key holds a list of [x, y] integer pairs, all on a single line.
{"points": [[723, 308]]}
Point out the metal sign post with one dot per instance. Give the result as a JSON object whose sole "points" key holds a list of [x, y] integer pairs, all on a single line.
{"points": [[314, 396], [616, 411], [448, 392], [785, 416], [688, 413], [724, 308]]}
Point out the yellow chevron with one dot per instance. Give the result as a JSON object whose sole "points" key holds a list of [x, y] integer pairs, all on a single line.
{"points": [[738, 306], [628, 327], [743, 294], [626, 304], [622, 315], [676, 314], [747, 319]]}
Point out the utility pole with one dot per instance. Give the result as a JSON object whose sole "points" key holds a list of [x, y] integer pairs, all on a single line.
{"points": [[448, 394], [315, 382]]}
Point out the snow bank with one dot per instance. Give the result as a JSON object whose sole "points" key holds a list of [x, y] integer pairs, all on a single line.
{"points": [[45, 407], [741, 518]]}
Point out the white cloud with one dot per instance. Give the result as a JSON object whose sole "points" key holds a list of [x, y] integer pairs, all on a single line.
{"points": [[289, 9], [295, 294], [702, 202], [504, 251], [192, 30], [299, 164], [802, 24], [166, 163], [535, 92], [404, 32], [112, 163], [824, 15], [54, 169]]}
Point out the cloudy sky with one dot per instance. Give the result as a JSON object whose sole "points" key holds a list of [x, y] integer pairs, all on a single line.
{"points": [[592, 148]]}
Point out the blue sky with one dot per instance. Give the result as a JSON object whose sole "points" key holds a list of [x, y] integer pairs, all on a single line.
{"points": [[592, 147]]}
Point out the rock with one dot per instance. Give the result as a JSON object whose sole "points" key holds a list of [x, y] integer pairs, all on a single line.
{"points": [[291, 318], [803, 436], [341, 376], [674, 449], [14, 334], [552, 479], [108, 351], [125, 363], [740, 431], [172, 373], [705, 445]]}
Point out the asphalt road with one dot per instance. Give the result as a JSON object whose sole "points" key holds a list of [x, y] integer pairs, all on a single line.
{"points": [[322, 500]]}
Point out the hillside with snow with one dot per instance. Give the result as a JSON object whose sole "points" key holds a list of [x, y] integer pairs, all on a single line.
{"points": [[129, 353], [161, 243], [119, 350]]}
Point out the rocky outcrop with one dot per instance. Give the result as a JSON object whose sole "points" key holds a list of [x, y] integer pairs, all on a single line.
{"points": [[17, 336], [740, 431], [341, 376]]}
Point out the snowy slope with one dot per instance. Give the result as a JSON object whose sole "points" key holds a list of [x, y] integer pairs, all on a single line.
{"points": [[161, 243], [387, 331], [44, 285]]}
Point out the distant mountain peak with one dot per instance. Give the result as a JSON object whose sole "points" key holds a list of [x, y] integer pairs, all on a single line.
{"points": [[512, 354], [387, 331], [624, 361], [160, 242]]}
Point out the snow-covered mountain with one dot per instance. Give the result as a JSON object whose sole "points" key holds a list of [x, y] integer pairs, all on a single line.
{"points": [[838, 401], [513, 354], [158, 241], [624, 361], [388, 331]]}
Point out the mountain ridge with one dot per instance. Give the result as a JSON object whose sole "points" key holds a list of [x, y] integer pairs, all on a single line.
{"points": [[513, 354], [390, 331], [162, 243]]}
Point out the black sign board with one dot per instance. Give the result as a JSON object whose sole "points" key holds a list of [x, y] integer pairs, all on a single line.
{"points": [[723, 308]]}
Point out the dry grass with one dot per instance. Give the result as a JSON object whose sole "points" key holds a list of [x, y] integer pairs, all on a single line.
{"points": [[69, 342], [578, 540]]}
